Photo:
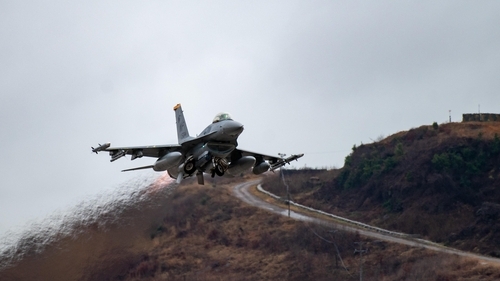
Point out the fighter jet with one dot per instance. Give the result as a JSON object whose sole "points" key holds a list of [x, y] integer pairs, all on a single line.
{"points": [[213, 151]]}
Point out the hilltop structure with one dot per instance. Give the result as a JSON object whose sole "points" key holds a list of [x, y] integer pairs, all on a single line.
{"points": [[482, 117]]}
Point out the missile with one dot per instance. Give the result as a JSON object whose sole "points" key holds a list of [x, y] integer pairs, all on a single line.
{"points": [[101, 147], [283, 162], [293, 157]]}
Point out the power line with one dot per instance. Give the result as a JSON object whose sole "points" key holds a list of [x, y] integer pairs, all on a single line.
{"points": [[287, 189], [336, 249], [315, 233], [360, 251]]}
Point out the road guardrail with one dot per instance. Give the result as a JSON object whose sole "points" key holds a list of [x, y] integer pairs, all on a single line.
{"points": [[347, 221]]}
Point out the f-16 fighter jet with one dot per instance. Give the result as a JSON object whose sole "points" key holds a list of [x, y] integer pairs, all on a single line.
{"points": [[214, 151]]}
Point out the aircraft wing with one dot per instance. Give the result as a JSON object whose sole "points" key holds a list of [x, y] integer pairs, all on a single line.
{"points": [[139, 151], [275, 161]]}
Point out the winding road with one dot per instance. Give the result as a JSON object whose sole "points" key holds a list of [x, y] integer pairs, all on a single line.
{"points": [[242, 192]]}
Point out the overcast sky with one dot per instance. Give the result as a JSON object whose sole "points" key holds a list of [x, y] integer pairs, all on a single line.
{"points": [[311, 77]]}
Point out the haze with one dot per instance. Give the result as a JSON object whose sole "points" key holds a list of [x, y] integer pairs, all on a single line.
{"points": [[311, 77]]}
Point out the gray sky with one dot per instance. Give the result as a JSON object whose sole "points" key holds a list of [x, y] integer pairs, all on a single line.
{"points": [[310, 77]]}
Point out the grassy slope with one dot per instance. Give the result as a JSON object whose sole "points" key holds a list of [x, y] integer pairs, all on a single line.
{"points": [[441, 183], [209, 235]]}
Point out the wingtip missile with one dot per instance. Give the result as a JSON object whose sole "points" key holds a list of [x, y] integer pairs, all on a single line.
{"points": [[101, 147], [285, 161], [294, 157]]}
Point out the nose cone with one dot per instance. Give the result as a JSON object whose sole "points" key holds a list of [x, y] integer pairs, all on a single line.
{"points": [[233, 128]]}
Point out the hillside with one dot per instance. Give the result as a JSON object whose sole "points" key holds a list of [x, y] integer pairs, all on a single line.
{"points": [[440, 182], [208, 235], [205, 233]]}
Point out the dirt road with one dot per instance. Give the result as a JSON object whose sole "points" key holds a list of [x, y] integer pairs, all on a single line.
{"points": [[242, 192]]}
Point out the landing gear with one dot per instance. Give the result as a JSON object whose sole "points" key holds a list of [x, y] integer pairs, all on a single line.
{"points": [[219, 170], [189, 167], [220, 167]]}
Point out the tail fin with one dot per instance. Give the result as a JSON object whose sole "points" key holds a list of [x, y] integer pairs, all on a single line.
{"points": [[182, 130]]}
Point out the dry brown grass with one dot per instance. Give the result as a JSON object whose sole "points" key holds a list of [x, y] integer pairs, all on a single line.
{"points": [[209, 235], [487, 130]]}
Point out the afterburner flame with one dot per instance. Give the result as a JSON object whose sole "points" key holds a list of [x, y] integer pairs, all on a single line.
{"points": [[160, 183]]}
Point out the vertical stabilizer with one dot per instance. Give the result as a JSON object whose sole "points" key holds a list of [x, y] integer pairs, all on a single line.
{"points": [[182, 130]]}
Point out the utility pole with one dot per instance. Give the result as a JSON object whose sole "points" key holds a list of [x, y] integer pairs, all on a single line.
{"points": [[360, 251], [282, 155], [449, 112], [287, 191], [337, 254]]}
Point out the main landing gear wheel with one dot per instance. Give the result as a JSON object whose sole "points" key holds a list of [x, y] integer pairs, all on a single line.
{"points": [[189, 167], [219, 170]]}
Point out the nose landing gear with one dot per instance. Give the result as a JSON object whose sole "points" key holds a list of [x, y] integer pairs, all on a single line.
{"points": [[220, 167]]}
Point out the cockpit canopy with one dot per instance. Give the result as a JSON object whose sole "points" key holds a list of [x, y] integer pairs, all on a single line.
{"points": [[222, 116]]}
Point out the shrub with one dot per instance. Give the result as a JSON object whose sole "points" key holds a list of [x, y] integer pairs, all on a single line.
{"points": [[398, 150]]}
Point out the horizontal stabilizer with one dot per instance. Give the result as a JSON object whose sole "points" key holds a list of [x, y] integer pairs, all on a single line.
{"points": [[138, 168]]}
